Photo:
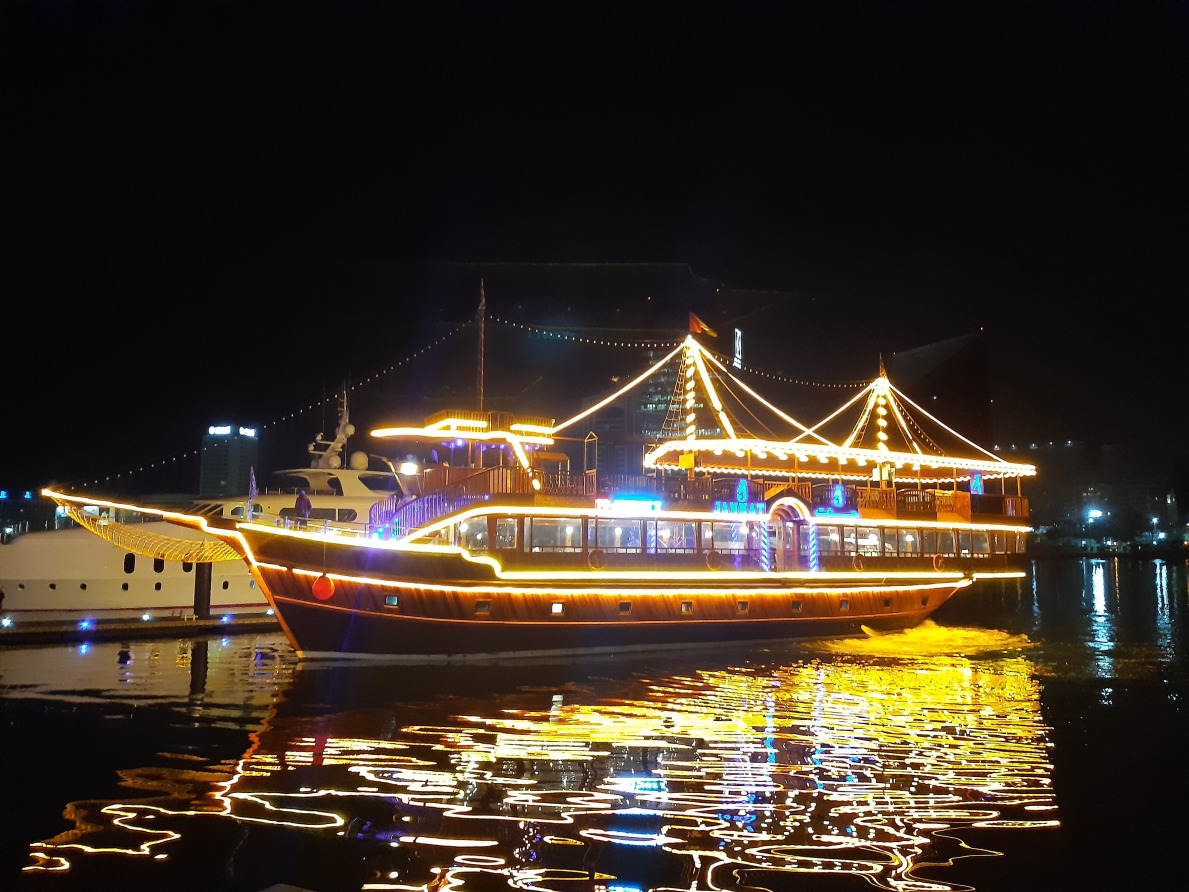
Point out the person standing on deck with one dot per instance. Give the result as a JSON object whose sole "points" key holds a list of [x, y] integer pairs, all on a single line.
{"points": [[302, 507]]}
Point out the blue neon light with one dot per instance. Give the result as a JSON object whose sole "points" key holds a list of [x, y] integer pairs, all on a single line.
{"points": [[739, 508], [636, 503], [976, 483], [830, 512]]}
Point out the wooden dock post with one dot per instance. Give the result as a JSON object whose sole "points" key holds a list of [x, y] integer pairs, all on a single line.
{"points": [[202, 590]]}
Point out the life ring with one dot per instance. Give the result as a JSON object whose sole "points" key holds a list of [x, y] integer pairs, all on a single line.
{"points": [[713, 559], [857, 562], [596, 559], [938, 562]]}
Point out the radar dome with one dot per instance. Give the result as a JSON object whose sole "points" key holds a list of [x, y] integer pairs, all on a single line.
{"points": [[335, 461], [358, 461], [349, 430]]}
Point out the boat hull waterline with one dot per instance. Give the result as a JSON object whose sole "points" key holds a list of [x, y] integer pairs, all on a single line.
{"points": [[348, 600]]}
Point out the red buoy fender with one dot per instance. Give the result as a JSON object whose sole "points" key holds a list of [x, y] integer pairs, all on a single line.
{"points": [[323, 587]]}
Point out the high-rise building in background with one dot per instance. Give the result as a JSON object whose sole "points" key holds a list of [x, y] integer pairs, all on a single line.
{"points": [[229, 452]]}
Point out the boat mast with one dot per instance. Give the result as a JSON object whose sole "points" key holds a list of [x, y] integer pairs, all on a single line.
{"points": [[482, 314]]}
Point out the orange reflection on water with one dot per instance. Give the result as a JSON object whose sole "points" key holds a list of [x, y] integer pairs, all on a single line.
{"points": [[867, 758]]}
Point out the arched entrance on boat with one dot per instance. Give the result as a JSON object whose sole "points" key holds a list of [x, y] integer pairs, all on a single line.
{"points": [[787, 517]]}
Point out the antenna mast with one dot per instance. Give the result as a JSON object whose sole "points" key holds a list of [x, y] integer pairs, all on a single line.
{"points": [[482, 313]]}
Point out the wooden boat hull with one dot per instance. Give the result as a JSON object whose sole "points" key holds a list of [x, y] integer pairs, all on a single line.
{"points": [[343, 599], [320, 630]]}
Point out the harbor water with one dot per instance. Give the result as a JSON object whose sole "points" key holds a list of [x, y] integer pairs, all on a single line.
{"points": [[1030, 736]]}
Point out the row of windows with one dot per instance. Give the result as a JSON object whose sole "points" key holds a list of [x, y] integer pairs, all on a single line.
{"points": [[635, 536], [901, 542], [124, 586], [631, 535], [158, 564]]}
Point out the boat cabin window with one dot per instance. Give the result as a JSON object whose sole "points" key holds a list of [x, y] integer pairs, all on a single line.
{"points": [[829, 540], [908, 542], [980, 542], [552, 534], [728, 535], [613, 534], [672, 536], [505, 532], [867, 541], [348, 515], [472, 534], [129, 562], [806, 541], [939, 542]]}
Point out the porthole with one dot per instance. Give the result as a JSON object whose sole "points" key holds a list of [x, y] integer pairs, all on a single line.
{"points": [[557, 608], [796, 607], [741, 606], [83, 586], [687, 607], [53, 586], [158, 565], [483, 607], [925, 601], [844, 604], [129, 562], [392, 600], [124, 586], [156, 586], [625, 608], [887, 602], [226, 585]]}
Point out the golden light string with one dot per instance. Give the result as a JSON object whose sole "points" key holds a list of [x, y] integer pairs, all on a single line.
{"points": [[578, 339], [781, 378], [317, 404]]}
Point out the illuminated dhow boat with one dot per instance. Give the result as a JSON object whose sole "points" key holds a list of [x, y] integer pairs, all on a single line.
{"points": [[727, 536]]}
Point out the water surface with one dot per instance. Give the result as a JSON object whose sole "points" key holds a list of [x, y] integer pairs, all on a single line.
{"points": [[1029, 737]]}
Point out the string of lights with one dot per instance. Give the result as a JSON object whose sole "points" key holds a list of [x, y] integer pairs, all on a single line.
{"points": [[317, 404], [412, 357], [836, 385], [579, 339]]}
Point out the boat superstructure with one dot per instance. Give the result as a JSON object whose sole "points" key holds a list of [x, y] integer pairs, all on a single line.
{"points": [[729, 534]]}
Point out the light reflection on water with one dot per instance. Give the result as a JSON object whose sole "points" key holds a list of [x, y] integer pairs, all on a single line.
{"points": [[874, 761], [866, 758]]}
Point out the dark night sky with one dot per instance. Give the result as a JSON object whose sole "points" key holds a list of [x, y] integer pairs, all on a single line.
{"points": [[220, 209]]}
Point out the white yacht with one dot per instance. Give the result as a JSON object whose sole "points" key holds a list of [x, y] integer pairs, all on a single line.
{"points": [[72, 579]]}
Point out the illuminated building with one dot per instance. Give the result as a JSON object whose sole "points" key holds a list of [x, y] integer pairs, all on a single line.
{"points": [[229, 452]]}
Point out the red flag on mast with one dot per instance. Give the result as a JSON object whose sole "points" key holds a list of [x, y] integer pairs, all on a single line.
{"points": [[697, 326]]}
